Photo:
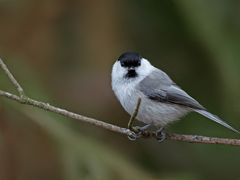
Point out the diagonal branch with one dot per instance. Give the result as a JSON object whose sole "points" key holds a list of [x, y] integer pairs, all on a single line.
{"points": [[22, 98], [48, 107], [11, 78]]}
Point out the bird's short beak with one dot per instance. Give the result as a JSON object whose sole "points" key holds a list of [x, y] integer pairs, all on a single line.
{"points": [[131, 68]]}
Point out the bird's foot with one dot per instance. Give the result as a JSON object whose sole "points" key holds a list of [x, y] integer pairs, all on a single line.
{"points": [[160, 134], [138, 132]]}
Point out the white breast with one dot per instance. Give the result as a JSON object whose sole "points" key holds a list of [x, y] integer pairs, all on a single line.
{"points": [[127, 95]]}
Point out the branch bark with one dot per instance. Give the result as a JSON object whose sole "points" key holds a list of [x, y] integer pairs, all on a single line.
{"points": [[23, 99]]}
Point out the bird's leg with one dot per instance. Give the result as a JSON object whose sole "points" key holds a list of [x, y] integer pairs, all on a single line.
{"points": [[139, 129], [160, 134]]}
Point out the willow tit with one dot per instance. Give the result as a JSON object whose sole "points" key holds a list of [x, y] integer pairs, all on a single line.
{"points": [[162, 101]]}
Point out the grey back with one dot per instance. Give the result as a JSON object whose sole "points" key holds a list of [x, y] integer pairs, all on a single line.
{"points": [[159, 87]]}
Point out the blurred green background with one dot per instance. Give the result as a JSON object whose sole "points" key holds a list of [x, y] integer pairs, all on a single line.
{"points": [[61, 51]]}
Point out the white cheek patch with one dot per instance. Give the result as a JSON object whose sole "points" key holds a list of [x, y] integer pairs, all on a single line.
{"points": [[145, 68], [118, 70]]}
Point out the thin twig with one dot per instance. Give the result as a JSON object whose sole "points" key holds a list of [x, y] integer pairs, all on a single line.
{"points": [[12, 79], [134, 115], [22, 98]]}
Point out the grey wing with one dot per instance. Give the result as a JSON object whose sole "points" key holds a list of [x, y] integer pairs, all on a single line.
{"points": [[159, 87]]}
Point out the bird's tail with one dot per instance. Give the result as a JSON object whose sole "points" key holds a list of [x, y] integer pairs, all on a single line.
{"points": [[216, 119]]}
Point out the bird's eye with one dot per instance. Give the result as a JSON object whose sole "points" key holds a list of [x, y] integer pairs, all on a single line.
{"points": [[123, 64]]}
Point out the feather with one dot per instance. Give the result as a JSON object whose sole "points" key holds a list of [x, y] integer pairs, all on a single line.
{"points": [[215, 119]]}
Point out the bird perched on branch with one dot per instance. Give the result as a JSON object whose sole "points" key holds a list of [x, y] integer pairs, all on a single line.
{"points": [[162, 101]]}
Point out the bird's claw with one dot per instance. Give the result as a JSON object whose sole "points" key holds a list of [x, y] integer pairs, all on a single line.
{"points": [[160, 135], [138, 132], [134, 136]]}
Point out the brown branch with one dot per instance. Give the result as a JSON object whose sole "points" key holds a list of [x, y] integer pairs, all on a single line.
{"points": [[22, 98], [48, 107], [203, 139]]}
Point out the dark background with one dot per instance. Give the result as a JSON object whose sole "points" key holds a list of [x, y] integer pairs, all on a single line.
{"points": [[62, 51]]}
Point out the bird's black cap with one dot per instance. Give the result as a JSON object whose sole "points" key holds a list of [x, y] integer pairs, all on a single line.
{"points": [[130, 59]]}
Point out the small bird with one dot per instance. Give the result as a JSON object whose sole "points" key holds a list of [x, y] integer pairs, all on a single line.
{"points": [[162, 101]]}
